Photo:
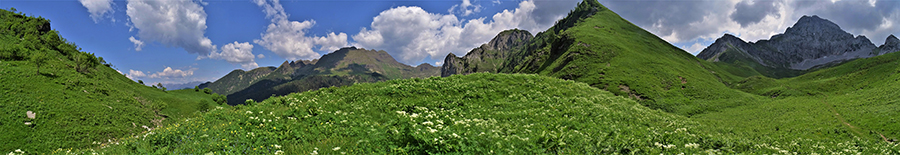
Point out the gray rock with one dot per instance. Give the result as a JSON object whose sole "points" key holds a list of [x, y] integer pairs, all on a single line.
{"points": [[488, 57], [809, 43], [891, 44]]}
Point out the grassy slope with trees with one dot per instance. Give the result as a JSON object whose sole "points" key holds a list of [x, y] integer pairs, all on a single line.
{"points": [[79, 100]]}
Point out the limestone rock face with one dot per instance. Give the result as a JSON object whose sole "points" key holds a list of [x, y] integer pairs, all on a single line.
{"points": [[892, 44], [809, 43], [488, 57]]}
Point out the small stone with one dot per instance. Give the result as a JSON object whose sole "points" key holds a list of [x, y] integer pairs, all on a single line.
{"points": [[31, 115]]}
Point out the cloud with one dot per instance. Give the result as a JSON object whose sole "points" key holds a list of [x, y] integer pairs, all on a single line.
{"points": [[138, 44], [750, 12], [439, 63], [755, 20], [694, 49], [465, 9], [288, 38], [167, 73], [178, 23], [260, 56], [97, 8], [237, 53], [415, 34]]}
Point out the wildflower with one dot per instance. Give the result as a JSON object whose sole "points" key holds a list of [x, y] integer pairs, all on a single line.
{"points": [[691, 145], [279, 152], [249, 112], [277, 146], [336, 148], [427, 123]]}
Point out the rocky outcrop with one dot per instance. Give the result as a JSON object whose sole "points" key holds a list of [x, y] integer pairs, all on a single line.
{"points": [[891, 44], [809, 43], [488, 57]]}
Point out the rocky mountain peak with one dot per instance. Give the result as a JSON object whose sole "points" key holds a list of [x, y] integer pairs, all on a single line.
{"points": [[891, 44], [892, 40], [508, 39], [813, 26], [811, 42]]}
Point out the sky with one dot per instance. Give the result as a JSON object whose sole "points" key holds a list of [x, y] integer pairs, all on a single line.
{"points": [[179, 41]]}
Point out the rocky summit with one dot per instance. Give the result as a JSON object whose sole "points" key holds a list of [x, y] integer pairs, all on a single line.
{"points": [[488, 57], [811, 42]]}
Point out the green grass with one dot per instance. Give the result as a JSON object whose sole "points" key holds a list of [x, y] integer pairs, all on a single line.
{"points": [[79, 101], [853, 100], [477, 113]]}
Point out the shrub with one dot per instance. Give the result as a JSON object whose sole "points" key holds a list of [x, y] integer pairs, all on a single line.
{"points": [[207, 90]]}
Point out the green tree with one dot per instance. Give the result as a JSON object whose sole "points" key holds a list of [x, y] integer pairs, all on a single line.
{"points": [[160, 86], [39, 58], [197, 88], [207, 90], [141, 82]]}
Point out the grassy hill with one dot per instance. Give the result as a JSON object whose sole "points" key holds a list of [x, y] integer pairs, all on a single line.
{"points": [[78, 100], [853, 100], [594, 45], [477, 113]]}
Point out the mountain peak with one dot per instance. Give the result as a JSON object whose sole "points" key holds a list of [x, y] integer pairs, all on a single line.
{"points": [[891, 40], [816, 26]]}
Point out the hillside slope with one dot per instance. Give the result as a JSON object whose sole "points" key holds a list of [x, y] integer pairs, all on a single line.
{"points": [[595, 46], [462, 114], [52, 95]]}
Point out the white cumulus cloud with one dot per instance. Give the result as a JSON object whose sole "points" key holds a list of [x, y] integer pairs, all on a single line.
{"points": [[412, 34], [289, 40], [178, 23], [97, 8], [138, 44], [466, 8], [167, 73], [237, 53]]}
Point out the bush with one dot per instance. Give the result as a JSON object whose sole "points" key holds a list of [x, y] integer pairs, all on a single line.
{"points": [[207, 90]]}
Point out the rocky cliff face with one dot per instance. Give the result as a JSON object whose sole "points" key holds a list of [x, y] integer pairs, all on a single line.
{"points": [[488, 57], [811, 42], [892, 44]]}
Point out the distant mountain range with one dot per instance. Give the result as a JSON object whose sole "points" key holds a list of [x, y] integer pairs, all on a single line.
{"points": [[345, 66], [811, 43], [186, 85]]}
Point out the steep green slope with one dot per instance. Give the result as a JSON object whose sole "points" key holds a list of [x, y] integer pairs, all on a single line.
{"points": [[77, 100], [595, 46]]}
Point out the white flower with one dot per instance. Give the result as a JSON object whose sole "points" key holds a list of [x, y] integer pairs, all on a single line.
{"points": [[249, 112], [277, 146], [279, 152], [692, 145], [427, 123], [401, 112], [336, 148]]}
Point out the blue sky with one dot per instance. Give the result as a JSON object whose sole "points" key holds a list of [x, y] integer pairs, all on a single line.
{"points": [[177, 41]]}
